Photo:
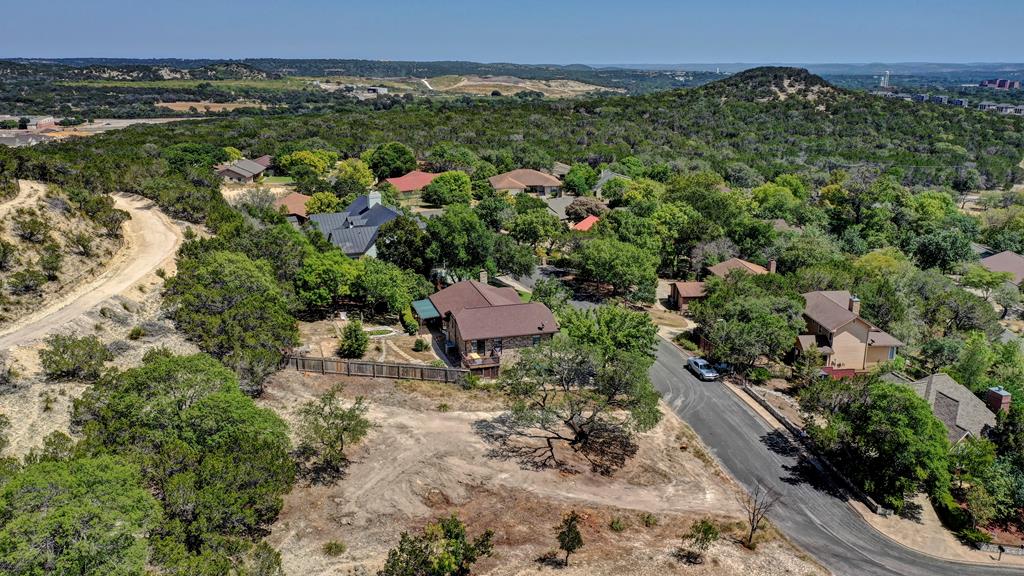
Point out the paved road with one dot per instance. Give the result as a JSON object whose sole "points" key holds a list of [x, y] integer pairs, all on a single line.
{"points": [[818, 521]]}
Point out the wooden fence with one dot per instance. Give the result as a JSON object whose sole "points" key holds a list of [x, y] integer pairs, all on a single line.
{"points": [[376, 369]]}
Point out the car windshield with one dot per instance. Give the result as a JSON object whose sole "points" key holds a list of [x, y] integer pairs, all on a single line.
{"points": [[702, 364]]}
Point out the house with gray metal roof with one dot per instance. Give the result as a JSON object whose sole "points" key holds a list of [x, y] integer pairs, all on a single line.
{"points": [[355, 230], [243, 171]]}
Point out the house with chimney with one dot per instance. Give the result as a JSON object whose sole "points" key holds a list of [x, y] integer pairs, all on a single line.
{"points": [[483, 326], [355, 230], [960, 411], [849, 343]]}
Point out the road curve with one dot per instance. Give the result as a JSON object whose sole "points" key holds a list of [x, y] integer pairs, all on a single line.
{"points": [[810, 513], [150, 238]]}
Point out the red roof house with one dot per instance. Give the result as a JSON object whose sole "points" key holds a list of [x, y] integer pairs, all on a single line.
{"points": [[413, 181], [586, 224]]}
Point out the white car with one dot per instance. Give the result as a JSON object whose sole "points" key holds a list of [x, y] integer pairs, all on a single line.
{"points": [[701, 369]]}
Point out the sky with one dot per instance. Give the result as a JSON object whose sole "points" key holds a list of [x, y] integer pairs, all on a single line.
{"points": [[523, 31]]}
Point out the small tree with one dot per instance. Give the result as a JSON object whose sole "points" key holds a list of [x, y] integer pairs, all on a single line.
{"points": [[980, 505], [326, 427], [443, 549], [452, 187], [50, 262], [569, 538], [353, 340], [702, 534], [323, 203], [756, 505], [67, 357]]}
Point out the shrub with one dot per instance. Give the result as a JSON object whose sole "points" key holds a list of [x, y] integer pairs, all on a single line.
{"points": [[30, 226], [648, 520], [973, 536], [68, 357], [353, 340], [409, 322], [420, 345], [26, 281], [617, 524], [334, 548], [684, 339], [136, 333], [51, 260], [759, 375]]}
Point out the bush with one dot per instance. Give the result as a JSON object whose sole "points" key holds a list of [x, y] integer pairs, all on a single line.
{"points": [[420, 345], [409, 322], [353, 340], [684, 339], [26, 281], [617, 524], [648, 520], [136, 333], [67, 357], [759, 375], [334, 548], [973, 536]]}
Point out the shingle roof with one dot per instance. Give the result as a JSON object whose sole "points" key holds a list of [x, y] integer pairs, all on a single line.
{"points": [[690, 289], [243, 167], [264, 160], [523, 178], [355, 229], [505, 321], [722, 269], [830, 309], [472, 294], [558, 204], [953, 404], [413, 181], [293, 203], [1006, 261], [607, 175]]}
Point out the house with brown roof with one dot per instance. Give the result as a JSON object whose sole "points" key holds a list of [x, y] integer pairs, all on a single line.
{"points": [[681, 294], [722, 269], [526, 180], [483, 325], [962, 413], [849, 343], [1006, 261], [412, 182], [293, 206]]}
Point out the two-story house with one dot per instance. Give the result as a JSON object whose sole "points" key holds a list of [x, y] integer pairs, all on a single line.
{"points": [[849, 343], [483, 325]]}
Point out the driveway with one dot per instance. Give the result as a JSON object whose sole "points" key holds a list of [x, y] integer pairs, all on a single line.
{"points": [[810, 513]]}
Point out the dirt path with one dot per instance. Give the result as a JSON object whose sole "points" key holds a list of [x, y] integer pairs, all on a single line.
{"points": [[150, 239]]}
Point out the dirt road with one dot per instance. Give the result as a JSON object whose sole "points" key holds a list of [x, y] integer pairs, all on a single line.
{"points": [[150, 239]]}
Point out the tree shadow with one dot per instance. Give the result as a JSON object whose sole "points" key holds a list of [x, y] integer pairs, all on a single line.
{"points": [[687, 556], [911, 511], [803, 471], [606, 448], [315, 473], [551, 559]]}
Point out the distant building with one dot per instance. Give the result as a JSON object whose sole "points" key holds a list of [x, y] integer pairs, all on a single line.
{"points": [[1005, 108], [355, 229], [527, 180], [920, 97], [722, 269], [938, 99], [376, 90], [1001, 84], [412, 182], [1006, 261], [987, 106], [243, 171], [959, 102]]}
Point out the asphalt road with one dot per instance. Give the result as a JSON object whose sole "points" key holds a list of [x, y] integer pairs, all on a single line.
{"points": [[810, 513]]}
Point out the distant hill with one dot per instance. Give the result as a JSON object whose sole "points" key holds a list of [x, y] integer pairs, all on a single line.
{"points": [[770, 83]]}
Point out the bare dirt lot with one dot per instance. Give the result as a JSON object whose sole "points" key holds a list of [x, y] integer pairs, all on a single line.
{"points": [[424, 459]]}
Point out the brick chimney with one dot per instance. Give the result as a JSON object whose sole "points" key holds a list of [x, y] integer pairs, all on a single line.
{"points": [[771, 266], [854, 305], [372, 199], [483, 276], [998, 400]]}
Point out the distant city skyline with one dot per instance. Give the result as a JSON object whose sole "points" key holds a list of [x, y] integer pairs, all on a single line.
{"points": [[653, 32]]}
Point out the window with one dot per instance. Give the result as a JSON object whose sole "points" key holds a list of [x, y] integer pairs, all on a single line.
{"points": [[481, 346], [496, 344], [892, 353], [535, 340]]}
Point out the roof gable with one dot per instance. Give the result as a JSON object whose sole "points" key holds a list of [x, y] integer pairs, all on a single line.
{"points": [[472, 294], [722, 269], [523, 178]]}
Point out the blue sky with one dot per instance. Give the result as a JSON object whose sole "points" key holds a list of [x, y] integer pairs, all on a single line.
{"points": [[526, 31]]}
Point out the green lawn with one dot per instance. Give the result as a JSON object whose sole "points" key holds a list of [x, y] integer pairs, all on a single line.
{"points": [[277, 180]]}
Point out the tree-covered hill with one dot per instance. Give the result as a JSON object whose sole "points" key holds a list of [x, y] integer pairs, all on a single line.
{"points": [[740, 127]]}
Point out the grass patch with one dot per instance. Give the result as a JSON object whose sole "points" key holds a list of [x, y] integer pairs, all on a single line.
{"points": [[525, 296], [277, 180], [334, 548], [378, 332]]}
